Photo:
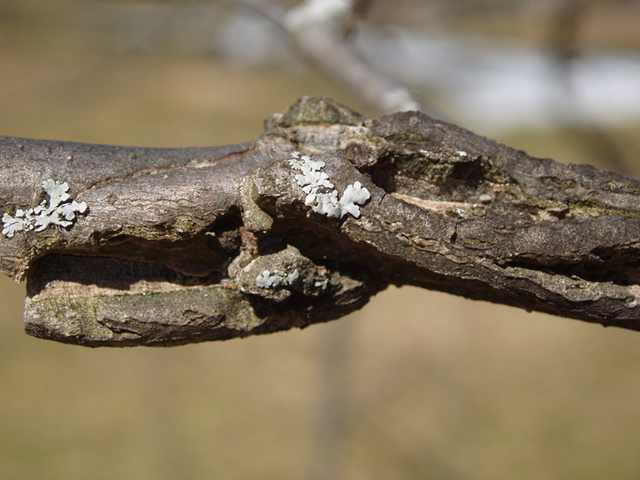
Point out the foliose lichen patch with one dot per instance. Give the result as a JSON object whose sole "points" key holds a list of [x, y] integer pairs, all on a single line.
{"points": [[266, 279], [321, 193], [61, 210]]}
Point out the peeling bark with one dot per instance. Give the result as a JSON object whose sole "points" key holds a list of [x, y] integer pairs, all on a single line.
{"points": [[171, 246]]}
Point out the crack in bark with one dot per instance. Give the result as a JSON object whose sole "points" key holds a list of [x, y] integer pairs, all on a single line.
{"points": [[157, 171]]}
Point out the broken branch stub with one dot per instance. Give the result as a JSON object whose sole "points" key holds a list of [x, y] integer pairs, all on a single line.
{"points": [[173, 246]]}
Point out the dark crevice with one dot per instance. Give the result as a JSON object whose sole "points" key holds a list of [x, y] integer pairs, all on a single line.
{"points": [[624, 272], [107, 272], [383, 174], [324, 245], [210, 249], [445, 179]]}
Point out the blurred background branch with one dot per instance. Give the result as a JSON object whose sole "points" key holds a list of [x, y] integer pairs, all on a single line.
{"points": [[492, 65], [319, 30]]}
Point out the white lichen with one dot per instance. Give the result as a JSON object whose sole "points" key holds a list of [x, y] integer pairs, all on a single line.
{"points": [[60, 211], [313, 180], [266, 279], [353, 196]]}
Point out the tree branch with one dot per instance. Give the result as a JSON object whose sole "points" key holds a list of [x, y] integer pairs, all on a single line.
{"points": [[305, 225]]}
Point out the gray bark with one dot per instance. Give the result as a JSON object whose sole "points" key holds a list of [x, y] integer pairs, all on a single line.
{"points": [[173, 242]]}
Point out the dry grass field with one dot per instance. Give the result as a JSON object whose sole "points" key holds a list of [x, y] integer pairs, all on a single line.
{"points": [[417, 385]]}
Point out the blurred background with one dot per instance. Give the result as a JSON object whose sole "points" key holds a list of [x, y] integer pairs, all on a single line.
{"points": [[416, 385]]}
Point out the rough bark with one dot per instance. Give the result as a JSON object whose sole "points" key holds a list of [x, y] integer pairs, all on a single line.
{"points": [[172, 242]]}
